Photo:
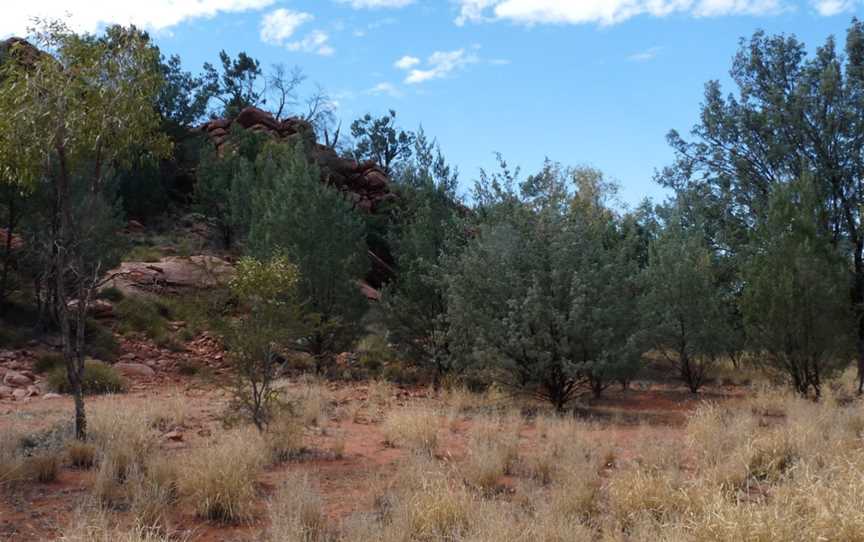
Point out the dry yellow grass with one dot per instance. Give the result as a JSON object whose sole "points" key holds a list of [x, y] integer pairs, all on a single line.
{"points": [[43, 466], [93, 523], [124, 438], [284, 437], [413, 428], [773, 467], [82, 455], [219, 479], [11, 459], [493, 450], [295, 513]]}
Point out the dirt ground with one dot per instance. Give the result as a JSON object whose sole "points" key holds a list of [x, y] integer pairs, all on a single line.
{"points": [[347, 479]]}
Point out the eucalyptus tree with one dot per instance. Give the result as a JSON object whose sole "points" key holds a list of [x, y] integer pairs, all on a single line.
{"points": [[684, 314], [314, 225], [795, 302], [425, 232], [72, 115], [792, 115], [540, 295]]}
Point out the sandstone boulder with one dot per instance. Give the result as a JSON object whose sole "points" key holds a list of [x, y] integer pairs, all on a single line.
{"points": [[172, 274], [135, 369], [16, 379]]}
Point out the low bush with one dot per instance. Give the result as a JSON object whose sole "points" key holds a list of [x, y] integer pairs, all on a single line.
{"points": [[142, 253], [11, 458], [219, 480], [100, 343], [82, 455], [284, 437], [110, 294], [296, 512], [43, 467], [48, 362], [493, 450], [414, 429], [98, 378], [143, 316], [125, 440]]}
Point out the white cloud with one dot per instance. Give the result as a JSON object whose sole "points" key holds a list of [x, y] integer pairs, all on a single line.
{"points": [[385, 88], [407, 62], [646, 55], [316, 42], [279, 25], [376, 4], [829, 8], [606, 12], [89, 15], [441, 64]]}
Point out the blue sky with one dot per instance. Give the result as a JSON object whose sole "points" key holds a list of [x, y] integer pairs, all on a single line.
{"points": [[597, 82]]}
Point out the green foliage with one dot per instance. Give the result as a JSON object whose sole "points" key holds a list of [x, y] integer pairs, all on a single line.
{"points": [[143, 253], [380, 141], [795, 301], [99, 341], [267, 282], [427, 228], [239, 83], [143, 190], [183, 99], [110, 294], [98, 378], [374, 354], [69, 118], [202, 310], [317, 229], [792, 115], [268, 291], [136, 314], [226, 184], [683, 311], [544, 294], [48, 362]]}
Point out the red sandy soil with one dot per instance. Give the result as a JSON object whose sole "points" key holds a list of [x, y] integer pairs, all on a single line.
{"points": [[40, 511]]}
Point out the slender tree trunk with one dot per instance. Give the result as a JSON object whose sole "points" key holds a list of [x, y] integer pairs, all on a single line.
{"points": [[858, 304], [11, 222], [72, 351]]}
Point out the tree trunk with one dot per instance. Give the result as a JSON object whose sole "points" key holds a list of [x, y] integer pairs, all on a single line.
{"points": [[7, 252], [858, 304], [72, 345]]}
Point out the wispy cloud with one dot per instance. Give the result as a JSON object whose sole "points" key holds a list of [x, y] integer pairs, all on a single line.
{"points": [[279, 25], [376, 4], [608, 12], [440, 64], [374, 25], [89, 16], [406, 62], [317, 42], [829, 8], [385, 88], [646, 55]]}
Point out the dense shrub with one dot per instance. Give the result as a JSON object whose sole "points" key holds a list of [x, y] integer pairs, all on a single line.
{"points": [[48, 362], [98, 378], [142, 316]]}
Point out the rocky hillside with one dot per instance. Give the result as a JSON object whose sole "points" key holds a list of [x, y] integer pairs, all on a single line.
{"points": [[363, 183]]}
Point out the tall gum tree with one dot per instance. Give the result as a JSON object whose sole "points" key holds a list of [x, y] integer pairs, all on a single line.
{"points": [[72, 114], [792, 116]]}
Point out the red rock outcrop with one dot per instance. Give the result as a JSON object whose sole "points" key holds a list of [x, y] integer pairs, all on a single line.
{"points": [[364, 183]]}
